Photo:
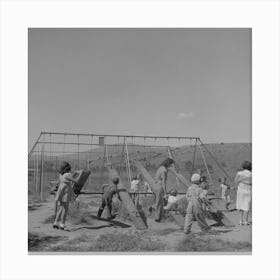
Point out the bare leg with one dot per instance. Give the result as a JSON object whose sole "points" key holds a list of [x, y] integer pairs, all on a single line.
{"points": [[58, 215], [55, 207], [241, 216], [65, 206], [246, 216]]}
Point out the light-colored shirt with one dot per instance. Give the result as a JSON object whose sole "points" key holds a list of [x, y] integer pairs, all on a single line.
{"points": [[243, 180], [135, 184], [224, 190], [65, 192]]}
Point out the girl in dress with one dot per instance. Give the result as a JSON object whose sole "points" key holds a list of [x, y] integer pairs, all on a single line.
{"points": [[64, 195], [243, 182]]}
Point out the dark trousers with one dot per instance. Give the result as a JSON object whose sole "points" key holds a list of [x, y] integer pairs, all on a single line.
{"points": [[103, 205], [159, 204]]}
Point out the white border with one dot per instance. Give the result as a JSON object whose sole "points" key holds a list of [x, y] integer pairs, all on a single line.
{"points": [[16, 17]]}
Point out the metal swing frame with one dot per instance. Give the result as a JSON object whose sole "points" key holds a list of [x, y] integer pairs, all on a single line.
{"points": [[41, 142]]}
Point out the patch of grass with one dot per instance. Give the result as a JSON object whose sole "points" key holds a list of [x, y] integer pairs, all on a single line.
{"points": [[40, 243], [117, 242], [126, 243], [192, 243], [82, 243]]}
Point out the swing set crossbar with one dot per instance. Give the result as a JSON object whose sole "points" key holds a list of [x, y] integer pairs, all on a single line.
{"points": [[94, 144], [120, 135]]}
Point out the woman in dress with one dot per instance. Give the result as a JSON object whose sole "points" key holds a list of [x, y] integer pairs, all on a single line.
{"points": [[160, 180], [243, 182]]}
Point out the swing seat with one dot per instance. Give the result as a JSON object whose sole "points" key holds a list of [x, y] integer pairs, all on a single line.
{"points": [[81, 177]]}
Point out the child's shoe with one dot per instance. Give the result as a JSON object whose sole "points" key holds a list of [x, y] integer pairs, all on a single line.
{"points": [[55, 226], [63, 227]]}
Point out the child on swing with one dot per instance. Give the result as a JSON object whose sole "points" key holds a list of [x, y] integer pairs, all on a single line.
{"points": [[63, 196]]}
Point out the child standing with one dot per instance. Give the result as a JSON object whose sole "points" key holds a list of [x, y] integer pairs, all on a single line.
{"points": [[107, 199], [134, 189], [195, 197], [64, 195], [225, 191]]}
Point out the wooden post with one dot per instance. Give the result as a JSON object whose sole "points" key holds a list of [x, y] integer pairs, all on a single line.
{"points": [[215, 160], [42, 174], [34, 169], [173, 165], [127, 163], [181, 178], [37, 172], [194, 154], [34, 146], [56, 163], [205, 163]]}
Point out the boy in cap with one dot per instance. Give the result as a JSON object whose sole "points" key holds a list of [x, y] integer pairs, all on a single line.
{"points": [[107, 199], [195, 196]]}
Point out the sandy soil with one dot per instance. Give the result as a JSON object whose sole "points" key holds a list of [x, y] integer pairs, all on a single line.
{"points": [[166, 232]]}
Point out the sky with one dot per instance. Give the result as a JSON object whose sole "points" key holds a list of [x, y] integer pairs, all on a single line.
{"points": [[165, 82]]}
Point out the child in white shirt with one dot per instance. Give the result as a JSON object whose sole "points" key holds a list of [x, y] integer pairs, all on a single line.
{"points": [[225, 191]]}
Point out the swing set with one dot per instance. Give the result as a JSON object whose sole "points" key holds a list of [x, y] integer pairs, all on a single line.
{"points": [[84, 151]]}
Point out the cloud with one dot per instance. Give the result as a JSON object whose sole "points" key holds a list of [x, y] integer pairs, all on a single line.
{"points": [[188, 115]]}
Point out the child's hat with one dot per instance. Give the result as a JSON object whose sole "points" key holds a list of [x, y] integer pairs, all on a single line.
{"points": [[195, 177]]}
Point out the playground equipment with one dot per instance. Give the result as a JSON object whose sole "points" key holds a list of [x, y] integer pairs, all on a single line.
{"points": [[91, 151]]}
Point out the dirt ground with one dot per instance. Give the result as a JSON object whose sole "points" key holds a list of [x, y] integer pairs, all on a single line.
{"points": [[87, 234]]}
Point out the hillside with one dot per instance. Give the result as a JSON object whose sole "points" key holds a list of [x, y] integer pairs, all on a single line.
{"points": [[228, 155]]}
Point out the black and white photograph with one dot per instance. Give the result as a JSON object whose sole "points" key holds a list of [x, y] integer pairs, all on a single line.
{"points": [[139, 140]]}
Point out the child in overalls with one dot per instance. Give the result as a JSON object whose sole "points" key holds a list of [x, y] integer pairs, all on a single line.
{"points": [[107, 199], [64, 195], [195, 196]]}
